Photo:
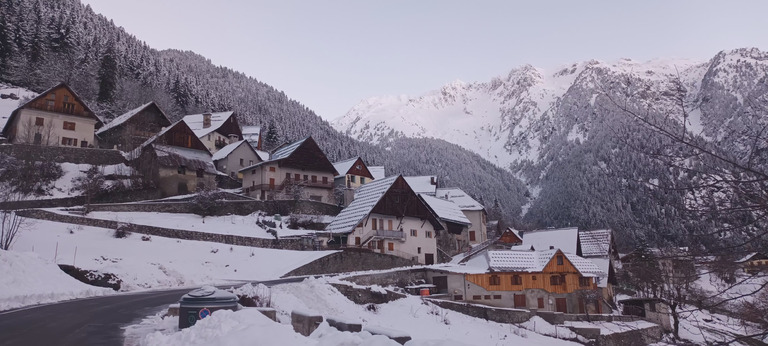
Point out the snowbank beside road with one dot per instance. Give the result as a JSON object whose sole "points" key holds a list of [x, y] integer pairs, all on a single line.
{"points": [[29, 279]]}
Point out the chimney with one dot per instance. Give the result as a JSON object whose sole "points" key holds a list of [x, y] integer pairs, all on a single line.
{"points": [[433, 180], [206, 120], [551, 247]]}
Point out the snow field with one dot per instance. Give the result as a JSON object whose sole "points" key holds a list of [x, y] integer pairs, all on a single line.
{"points": [[159, 262]]}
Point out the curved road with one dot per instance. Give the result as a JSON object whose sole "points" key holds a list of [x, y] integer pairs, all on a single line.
{"points": [[89, 321]]}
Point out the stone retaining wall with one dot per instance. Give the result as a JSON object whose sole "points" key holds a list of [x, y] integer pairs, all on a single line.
{"points": [[350, 260], [491, 314], [122, 196], [91, 156], [290, 244], [638, 337], [244, 207], [366, 295], [399, 278]]}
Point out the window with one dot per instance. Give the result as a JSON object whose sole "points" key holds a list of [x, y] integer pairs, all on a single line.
{"points": [[517, 280], [52, 96], [209, 136], [83, 144], [497, 296], [68, 141], [306, 177], [414, 233], [39, 121], [477, 297], [182, 170], [49, 105], [389, 225], [471, 235], [199, 173], [69, 107], [314, 178], [533, 277], [362, 180], [325, 180], [541, 303], [391, 246], [288, 176], [487, 297], [555, 280], [271, 183], [68, 125], [428, 234], [373, 225], [559, 260], [418, 250], [242, 162], [253, 171], [250, 162], [583, 282], [271, 169], [458, 297], [352, 178], [357, 241], [495, 280], [297, 177]]}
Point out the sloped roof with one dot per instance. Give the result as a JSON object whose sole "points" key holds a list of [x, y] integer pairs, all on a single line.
{"points": [[286, 150], [195, 122], [445, 210], [171, 156], [366, 198], [751, 256], [458, 196], [422, 184], [378, 172], [535, 261], [229, 148], [127, 115], [343, 166], [565, 239], [595, 243]]}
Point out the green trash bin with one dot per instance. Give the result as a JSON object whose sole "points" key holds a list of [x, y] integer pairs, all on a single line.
{"points": [[202, 302]]}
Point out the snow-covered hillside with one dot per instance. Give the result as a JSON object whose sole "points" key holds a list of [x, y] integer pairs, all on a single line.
{"points": [[509, 118], [8, 104]]}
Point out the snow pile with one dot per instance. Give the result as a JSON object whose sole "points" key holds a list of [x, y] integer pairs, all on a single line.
{"points": [[427, 324], [28, 279]]}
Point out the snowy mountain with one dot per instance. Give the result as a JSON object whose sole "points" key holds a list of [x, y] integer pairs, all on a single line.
{"points": [[508, 119]]}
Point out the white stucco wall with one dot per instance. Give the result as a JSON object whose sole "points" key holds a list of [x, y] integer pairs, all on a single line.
{"points": [[410, 246], [53, 127]]}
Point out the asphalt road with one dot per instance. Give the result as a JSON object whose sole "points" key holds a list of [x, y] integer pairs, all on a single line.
{"points": [[90, 321]]}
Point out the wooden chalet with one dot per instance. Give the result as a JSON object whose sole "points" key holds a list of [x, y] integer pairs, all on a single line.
{"points": [[56, 117], [351, 174], [133, 128], [175, 161], [215, 130], [298, 170], [754, 263], [389, 217], [511, 237]]}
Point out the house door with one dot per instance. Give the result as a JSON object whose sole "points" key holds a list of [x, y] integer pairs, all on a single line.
{"points": [[520, 300], [182, 188], [429, 258], [441, 284], [561, 305]]}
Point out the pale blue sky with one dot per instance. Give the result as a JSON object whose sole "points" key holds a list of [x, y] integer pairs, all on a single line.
{"points": [[329, 55]]}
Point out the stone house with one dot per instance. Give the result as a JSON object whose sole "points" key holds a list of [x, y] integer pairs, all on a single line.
{"points": [[472, 209], [56, 117], [234, 157], [387, 216], [298, 170], [352, 173], [215, 130], [252, 134], [455, 223], [175, 161], [133, 128]]}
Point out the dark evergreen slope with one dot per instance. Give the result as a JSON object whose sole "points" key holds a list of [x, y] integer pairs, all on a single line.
{"points": [[43, 42]]}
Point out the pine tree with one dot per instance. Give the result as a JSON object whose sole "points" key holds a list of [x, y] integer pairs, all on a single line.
{"points": [[108, 74], [272, 138]]}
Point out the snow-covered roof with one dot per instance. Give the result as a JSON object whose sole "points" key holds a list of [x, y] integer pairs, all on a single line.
{"points": [[751, 256], [195, 122], [595, 243], [377, 172], [170, 156], [422, 184], [458, 196], [343, 166], [228, 149], [124, 117], [286, 150], [366, 198], [535, 261], [263, 155], [445, 210], [603, 264], [251, 133], [565, 239]]}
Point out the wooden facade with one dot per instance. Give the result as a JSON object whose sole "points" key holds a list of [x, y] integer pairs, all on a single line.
{"points": [[60, 99], [509, 237], [308, 156], [568, 280], [400, 200], [132, 132]]}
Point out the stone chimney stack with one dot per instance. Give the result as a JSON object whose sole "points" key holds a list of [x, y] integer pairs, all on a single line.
{"points": [[206, 120]]}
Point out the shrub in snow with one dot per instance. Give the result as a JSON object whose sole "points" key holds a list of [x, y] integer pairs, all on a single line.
{"points": [[254, 296], [206, 203], [122, 231], [146, 238], [214, 250], [372, 307], [273, 233]]}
